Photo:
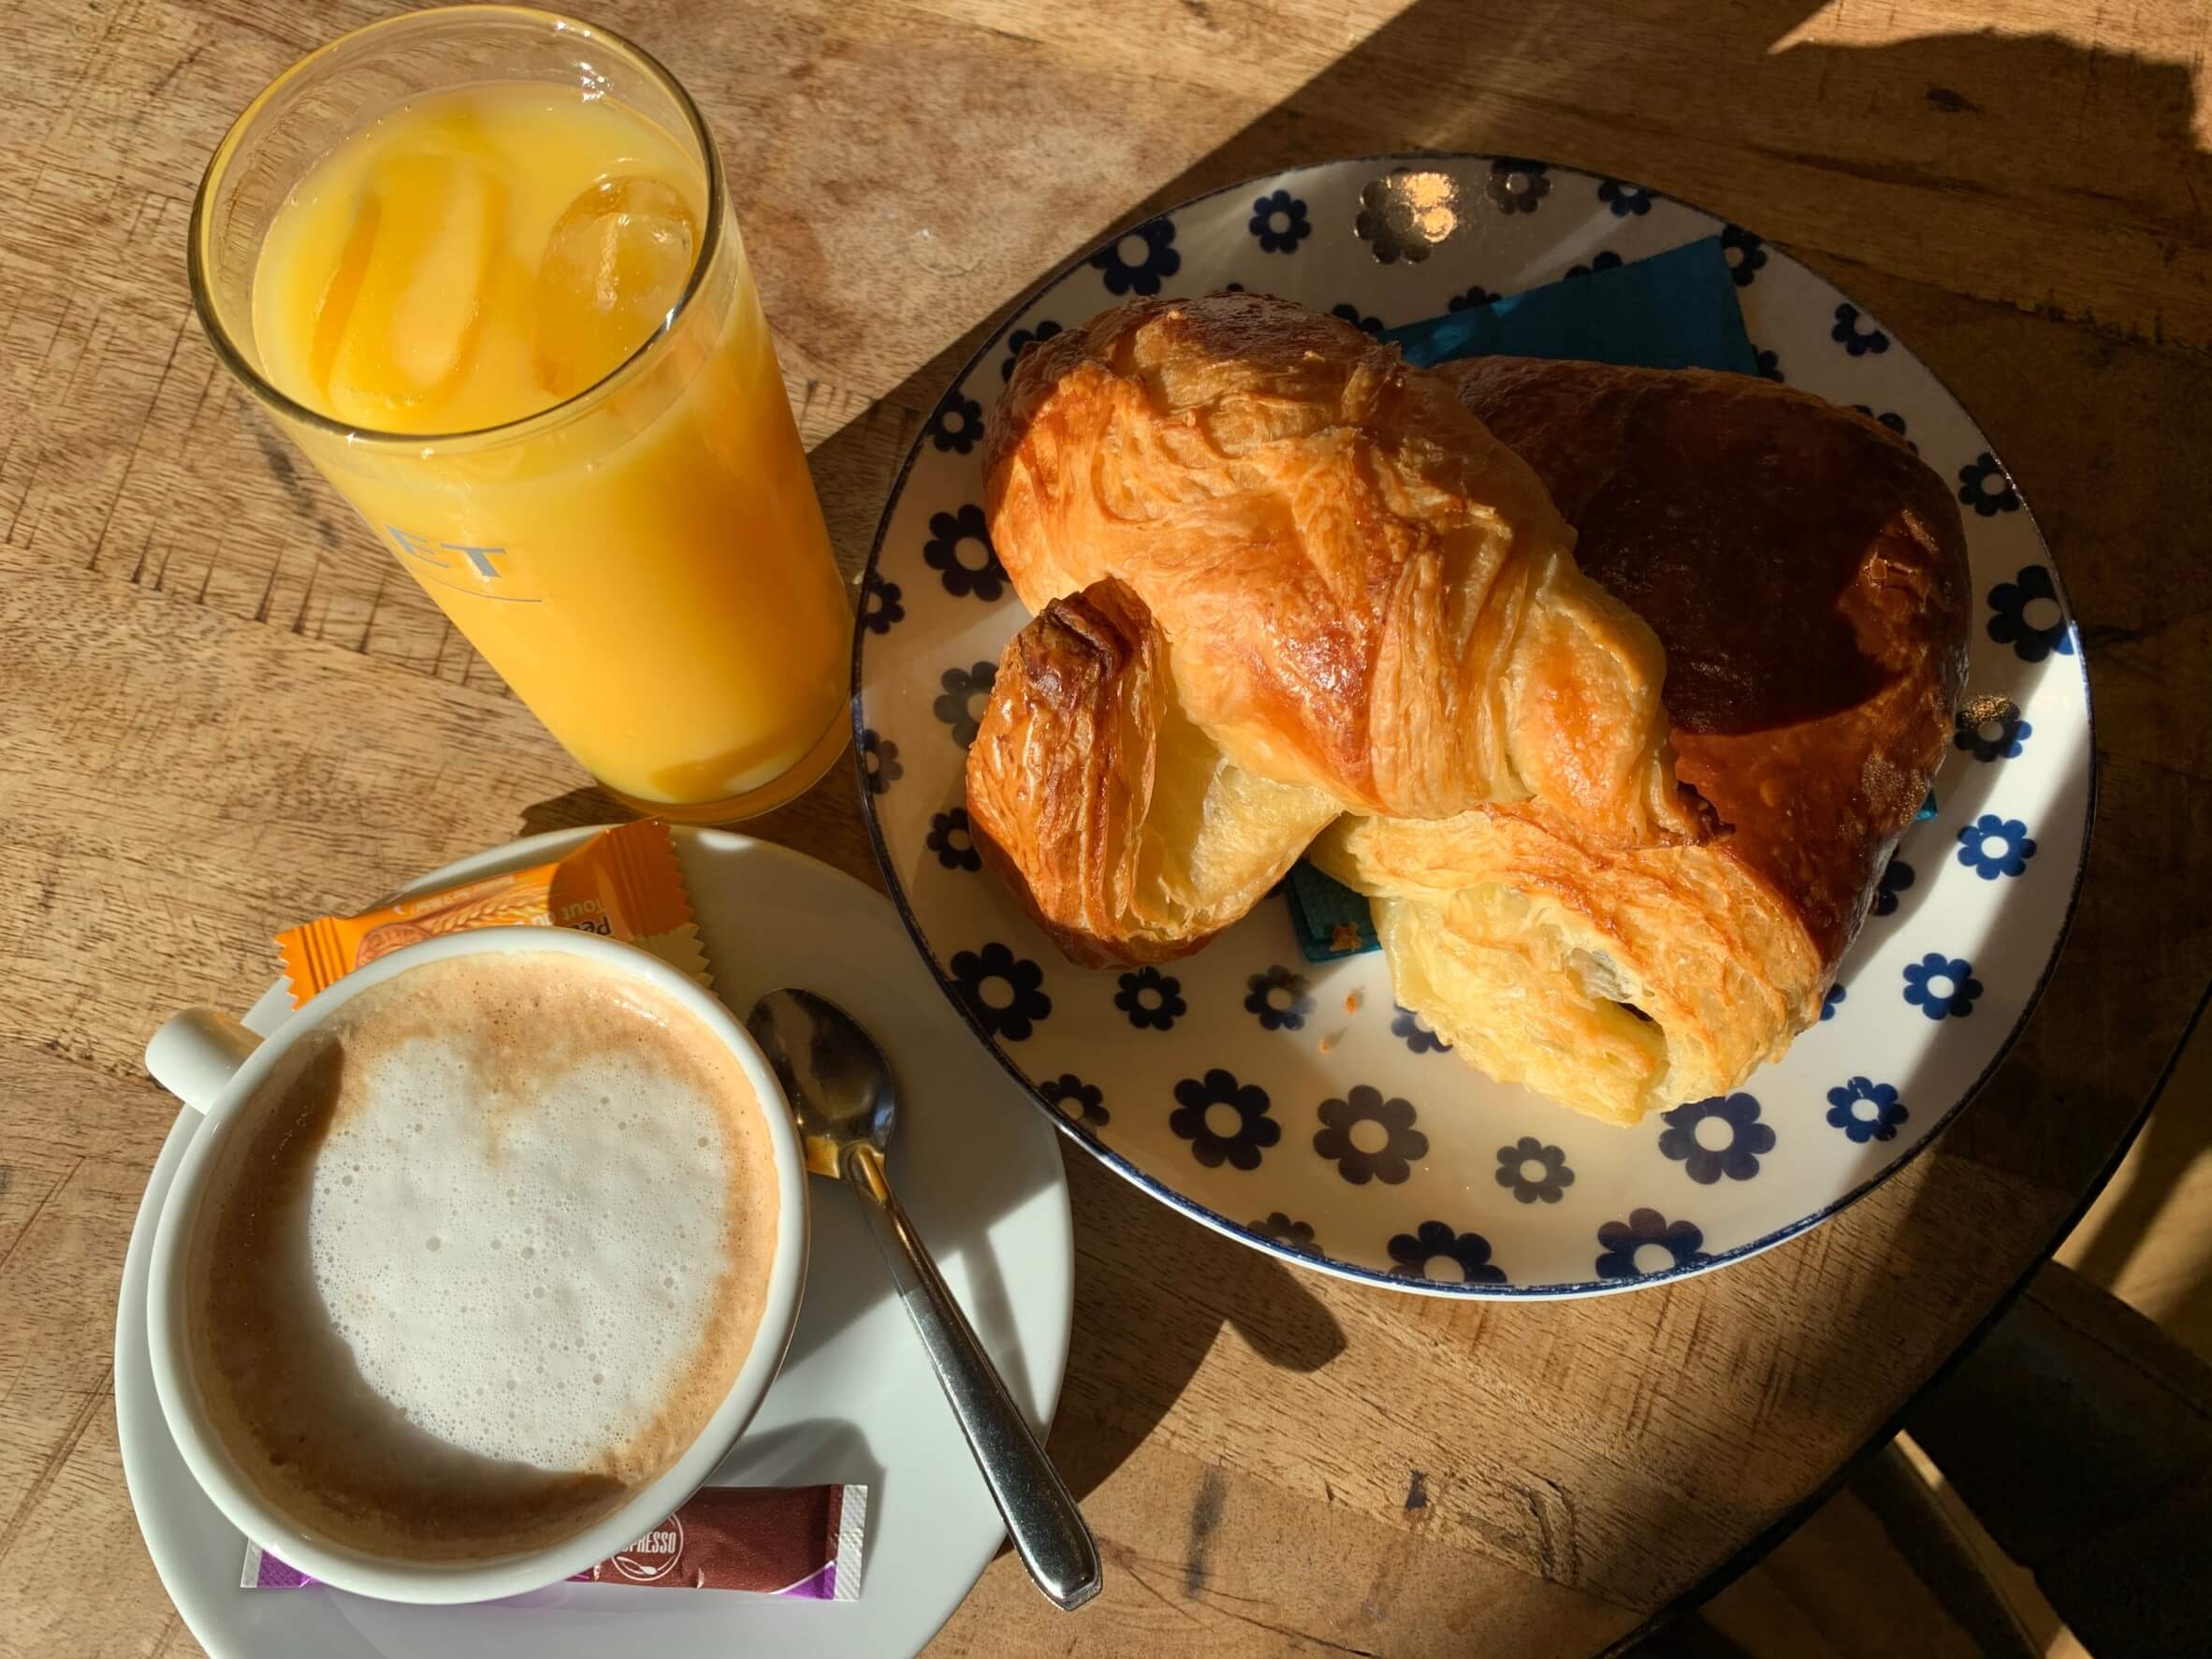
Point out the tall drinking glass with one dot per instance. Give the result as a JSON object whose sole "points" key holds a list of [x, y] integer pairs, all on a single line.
{"points": [[478, 263]]}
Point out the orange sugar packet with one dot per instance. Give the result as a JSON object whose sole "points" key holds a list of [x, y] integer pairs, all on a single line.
{"points": [[623, 883]]}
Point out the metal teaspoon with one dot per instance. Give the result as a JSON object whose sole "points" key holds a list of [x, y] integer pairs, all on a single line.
{"points": [[840, 1086]]}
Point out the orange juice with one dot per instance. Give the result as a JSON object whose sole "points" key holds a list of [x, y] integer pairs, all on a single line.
{"points": [[625, 530]]}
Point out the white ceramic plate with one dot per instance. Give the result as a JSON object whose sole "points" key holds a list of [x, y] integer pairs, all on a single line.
{"points": [[1207, 1082], [855, 1401]]}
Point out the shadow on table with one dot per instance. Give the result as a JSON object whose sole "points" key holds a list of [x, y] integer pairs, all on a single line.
{"points": [[578, 809], [823, 822], [1496, 78], [1144, 1324]]}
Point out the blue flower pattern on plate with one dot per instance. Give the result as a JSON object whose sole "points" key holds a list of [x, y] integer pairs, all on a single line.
{"points": [[1416, 1033], [1993, 847], [1997, 735], [1081, 1104], [1609, 260], [878, 761], [1941, 988], [966, 693], [1770, 367], [2009, 624], [1833, 1001], [1393, 1143], [1203, 1105], [959, 550], [1684, 1243], [1625, 199], [879, 606], [1984, 486], [1866, 1110], [1533, 1170], [1890, 418], [957, 422], [1397, 217], [1745, 253], [1517, 185], [1295, 1235], [1277, 999], [1021, 339], [1146, 265], [1152, 999], [1351, 313], [1858, 342], [1896, 877], [1477, 296], [1004, 991], [1279, 222], [952, 841], [1738, 1157], [1433, 1242]]}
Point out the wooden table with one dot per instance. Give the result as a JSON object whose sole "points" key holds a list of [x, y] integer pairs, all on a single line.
{"points": [[222, 708]]}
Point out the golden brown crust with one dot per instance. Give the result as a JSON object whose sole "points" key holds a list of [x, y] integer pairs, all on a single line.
{"points": [[1806, 572], [1262, 479], [1807, 575], [1618, 982], [1120, 825], [1365, 593]]}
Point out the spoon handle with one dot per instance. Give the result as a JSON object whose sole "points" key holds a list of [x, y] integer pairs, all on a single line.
{"points": [[1042, 1522]]}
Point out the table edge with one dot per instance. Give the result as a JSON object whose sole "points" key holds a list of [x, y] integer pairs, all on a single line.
{"points": [[1770, 1538]]}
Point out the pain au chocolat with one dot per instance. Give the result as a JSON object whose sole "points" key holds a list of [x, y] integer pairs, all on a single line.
{"points": [[1807, 575]]}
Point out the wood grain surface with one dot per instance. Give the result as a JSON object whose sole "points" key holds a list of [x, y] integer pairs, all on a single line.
{"points": [[223, 709]]}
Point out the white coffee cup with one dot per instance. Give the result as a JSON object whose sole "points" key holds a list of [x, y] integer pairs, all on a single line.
{"points": [[211, 1062]]}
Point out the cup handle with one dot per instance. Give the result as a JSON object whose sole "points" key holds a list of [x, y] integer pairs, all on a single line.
{"points": [[196, 1052]]}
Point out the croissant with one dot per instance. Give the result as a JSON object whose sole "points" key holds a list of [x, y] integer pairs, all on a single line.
{"points": [[1362, 591], [1807, 574], [1122, 826]]}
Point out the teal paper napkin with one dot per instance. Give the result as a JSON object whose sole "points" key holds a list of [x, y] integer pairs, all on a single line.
{"points": [[1676, 309], [1331, 919]]}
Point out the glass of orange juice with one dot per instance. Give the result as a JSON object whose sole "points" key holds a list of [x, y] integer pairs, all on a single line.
{"points": [[479, 263]]}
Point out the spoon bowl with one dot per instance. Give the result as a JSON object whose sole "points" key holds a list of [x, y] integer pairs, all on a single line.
{"points": [[836, 1078]]}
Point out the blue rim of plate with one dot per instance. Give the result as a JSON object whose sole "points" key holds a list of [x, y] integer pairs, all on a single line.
{"points": [[1245, 1235]]}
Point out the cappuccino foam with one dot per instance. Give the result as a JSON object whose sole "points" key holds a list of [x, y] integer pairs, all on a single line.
{"points": [[487, 1252]]}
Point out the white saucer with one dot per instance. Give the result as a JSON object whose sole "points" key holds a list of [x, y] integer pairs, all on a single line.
{"points": [[977, 1167]]}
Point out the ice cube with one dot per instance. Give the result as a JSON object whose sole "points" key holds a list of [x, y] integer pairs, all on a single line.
{"points": [[615, 264], [400, 314], [334, 310]]}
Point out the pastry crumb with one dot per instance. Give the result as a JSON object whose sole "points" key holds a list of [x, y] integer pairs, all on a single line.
{"points": [[1344, 937], [1330, 1041], [1351, 1003]]}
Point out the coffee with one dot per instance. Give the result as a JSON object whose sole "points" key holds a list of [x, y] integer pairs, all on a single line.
{"points": [[482, 1256]]}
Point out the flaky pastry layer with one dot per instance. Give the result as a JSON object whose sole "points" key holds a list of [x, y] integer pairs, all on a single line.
{"points": [[1363, 591], [1121, 825]]}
